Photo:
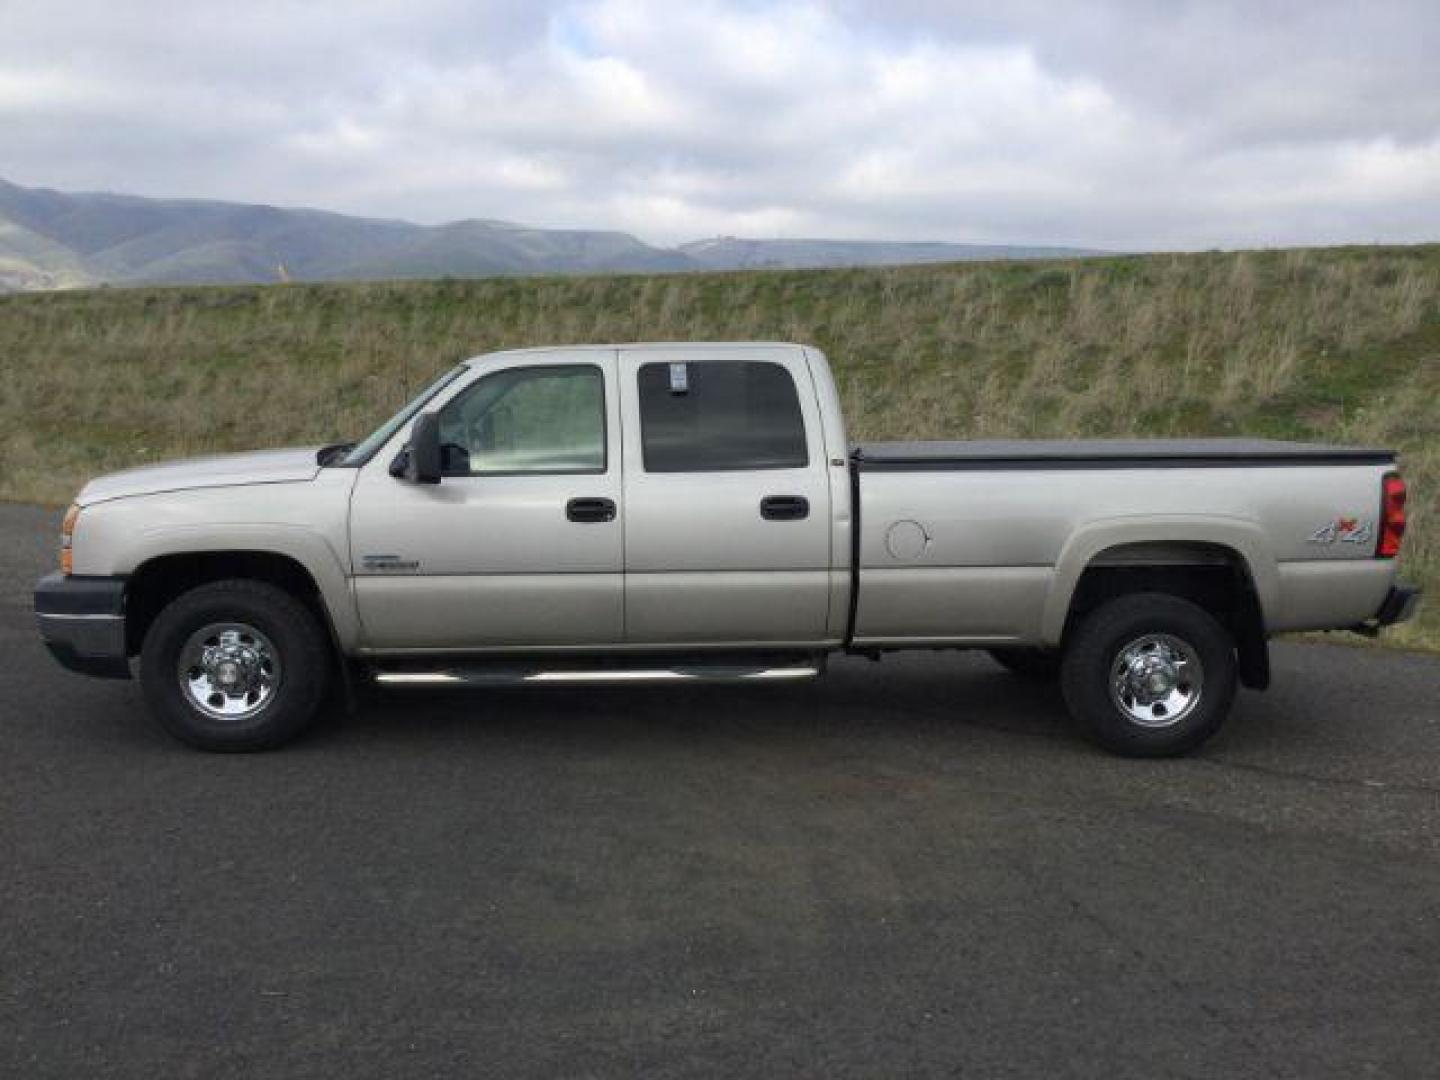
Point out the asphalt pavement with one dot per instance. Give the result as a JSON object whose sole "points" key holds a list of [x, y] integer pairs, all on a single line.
{"points": [[911, 868]]}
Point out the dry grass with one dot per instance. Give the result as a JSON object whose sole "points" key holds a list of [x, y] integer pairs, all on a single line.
{"points": [[1340, 345]]}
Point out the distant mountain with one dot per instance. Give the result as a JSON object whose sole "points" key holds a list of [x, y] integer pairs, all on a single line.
{"points": [[51, 239], [56, 240], [733, 253]]}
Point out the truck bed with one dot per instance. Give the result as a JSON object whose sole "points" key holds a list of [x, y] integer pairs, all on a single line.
{"points": [[983, 454], [970, 542]]}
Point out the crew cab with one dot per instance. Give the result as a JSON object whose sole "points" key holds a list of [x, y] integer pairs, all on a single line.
{"points": [[680, 512]]}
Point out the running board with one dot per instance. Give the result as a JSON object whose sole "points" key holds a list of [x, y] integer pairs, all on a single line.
{"points": [[490, 674]]}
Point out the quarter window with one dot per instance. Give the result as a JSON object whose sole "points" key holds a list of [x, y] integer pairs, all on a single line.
{"points": [[527, 420], [720, 415]]}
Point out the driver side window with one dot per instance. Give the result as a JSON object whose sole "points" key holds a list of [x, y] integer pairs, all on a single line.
{"points": [[527, 420]]}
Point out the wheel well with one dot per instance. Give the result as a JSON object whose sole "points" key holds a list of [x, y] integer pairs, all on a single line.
{"points": [[159, 581], [1211, 576]]}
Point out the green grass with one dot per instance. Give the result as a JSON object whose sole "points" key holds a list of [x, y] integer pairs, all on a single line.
{"points": [[1337, 344]]}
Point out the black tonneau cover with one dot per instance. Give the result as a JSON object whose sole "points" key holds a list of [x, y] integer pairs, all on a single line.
{"points": [[1108, 454]]}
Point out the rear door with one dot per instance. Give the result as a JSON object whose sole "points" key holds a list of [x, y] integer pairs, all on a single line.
{"points": [[727, 498]]}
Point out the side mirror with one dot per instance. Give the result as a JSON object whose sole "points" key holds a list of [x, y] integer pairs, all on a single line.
{"points": [[423, 465]]}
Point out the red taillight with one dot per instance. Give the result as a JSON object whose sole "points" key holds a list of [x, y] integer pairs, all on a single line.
{"points": [[1392, 515]]}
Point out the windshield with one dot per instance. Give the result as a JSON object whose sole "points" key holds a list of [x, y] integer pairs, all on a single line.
{"points": [[367, 449]]}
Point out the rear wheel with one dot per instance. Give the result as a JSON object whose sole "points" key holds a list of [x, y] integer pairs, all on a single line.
{"points": [[235, 665], [1041, 665], [1150, 674]]}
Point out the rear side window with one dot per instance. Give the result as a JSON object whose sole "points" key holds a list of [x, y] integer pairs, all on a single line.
{"points": [[719, 415]]}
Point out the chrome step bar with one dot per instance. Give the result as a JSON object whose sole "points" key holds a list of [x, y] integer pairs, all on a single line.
{"points": [[488, 674]]}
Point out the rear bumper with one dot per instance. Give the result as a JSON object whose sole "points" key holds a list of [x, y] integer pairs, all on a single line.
{"points": [[1398, 606], [82, 621]]}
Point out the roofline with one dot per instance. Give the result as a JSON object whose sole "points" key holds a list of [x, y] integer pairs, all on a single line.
{"points": [[638, 346]]}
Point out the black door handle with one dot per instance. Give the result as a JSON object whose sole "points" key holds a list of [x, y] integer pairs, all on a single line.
{"points": [[590, 509], [784, 507]]}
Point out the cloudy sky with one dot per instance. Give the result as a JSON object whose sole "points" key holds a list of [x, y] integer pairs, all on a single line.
{"points": [[1112, 123]]}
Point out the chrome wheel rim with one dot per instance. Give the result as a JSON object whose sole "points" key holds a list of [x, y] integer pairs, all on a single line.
{"points": [[229, 671], [1156, 680]]}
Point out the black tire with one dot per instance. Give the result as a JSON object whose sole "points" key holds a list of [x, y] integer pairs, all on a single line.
{"points": [[1089, 667], [293, 634], [1039, 665]]}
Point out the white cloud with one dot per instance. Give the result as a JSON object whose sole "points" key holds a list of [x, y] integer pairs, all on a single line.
{"points": [[1120, 124]]}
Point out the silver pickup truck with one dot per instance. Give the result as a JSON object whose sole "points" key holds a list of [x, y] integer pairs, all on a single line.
{"points": [[670, 512]]}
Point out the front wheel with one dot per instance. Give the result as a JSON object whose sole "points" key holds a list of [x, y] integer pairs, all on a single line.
{"points": [[235, 665], [1150, 674]]}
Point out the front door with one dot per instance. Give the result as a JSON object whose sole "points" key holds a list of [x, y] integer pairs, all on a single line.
{"points": [[727, 498], [520, 544]]}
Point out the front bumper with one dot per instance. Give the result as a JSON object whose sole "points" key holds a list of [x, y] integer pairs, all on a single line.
{"points": [[82, 620]]}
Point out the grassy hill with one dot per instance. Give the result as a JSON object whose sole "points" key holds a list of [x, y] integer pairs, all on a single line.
{"points": [[1340, 345]]}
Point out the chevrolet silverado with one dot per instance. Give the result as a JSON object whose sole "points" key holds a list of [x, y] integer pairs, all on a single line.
{"points": [[684, 512]]}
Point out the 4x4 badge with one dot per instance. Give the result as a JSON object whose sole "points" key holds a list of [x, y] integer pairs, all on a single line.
{"points": [[1345, 530]]}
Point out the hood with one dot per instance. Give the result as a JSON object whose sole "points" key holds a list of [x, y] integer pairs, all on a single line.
{"points": [[225, 470]]}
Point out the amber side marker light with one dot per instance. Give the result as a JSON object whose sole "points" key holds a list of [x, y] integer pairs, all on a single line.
{"points": [[67, 538], [1392, 515]]}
